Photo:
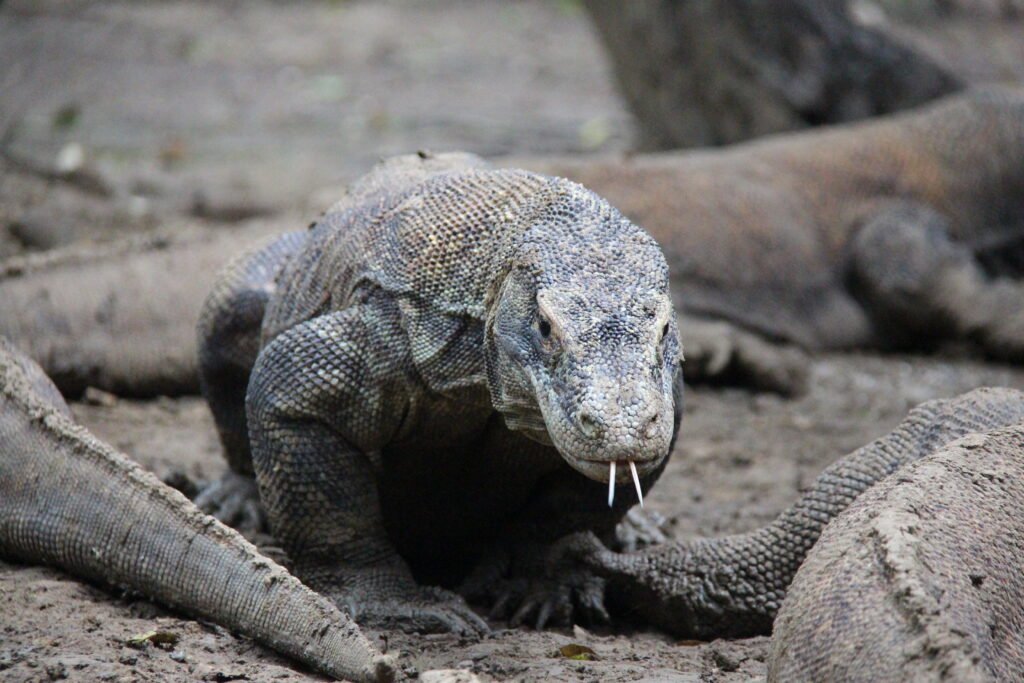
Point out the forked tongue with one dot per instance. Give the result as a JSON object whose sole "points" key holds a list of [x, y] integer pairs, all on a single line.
{"points": [[636, 483], [611, 483]]}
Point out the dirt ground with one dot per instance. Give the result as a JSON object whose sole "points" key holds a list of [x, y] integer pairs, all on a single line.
{"points": [[123, 117], [741, 459]]}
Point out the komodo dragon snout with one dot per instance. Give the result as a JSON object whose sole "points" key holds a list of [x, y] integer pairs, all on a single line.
{"points": [[583, 345]]}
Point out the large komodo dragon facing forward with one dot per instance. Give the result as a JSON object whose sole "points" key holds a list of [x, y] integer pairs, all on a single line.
{"points": [[896, 232], [69, 500], [452, 359]]}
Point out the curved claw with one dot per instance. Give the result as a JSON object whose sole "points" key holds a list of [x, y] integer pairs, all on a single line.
{"points": [[511, 592], [454, 618], [590, 601], [551, 602]]}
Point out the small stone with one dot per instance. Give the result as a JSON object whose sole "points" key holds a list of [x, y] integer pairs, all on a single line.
{"points": [[724, 660], [70, 158], [178, 656], [56, 671]]}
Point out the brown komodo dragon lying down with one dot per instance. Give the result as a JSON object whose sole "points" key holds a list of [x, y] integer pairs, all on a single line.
{"points": [[913, 547], [71, 501], [452, 370], [898, 232], [118, 316]]}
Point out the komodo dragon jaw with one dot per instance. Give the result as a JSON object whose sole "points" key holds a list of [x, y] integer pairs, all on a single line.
{"points": [[588, 364]]}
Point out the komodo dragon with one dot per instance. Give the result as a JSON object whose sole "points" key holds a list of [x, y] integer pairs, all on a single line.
{"points": [[888, 233], [734, 585], [920, 579], [452, 359], [895, 232], [71, 501], [118, 316]]}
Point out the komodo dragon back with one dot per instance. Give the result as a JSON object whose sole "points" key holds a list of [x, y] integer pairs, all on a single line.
{"points": [[70, 501]]}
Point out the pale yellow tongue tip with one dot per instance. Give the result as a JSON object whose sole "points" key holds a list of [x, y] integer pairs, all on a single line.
{"points": [[636, 483], [611, 483]]}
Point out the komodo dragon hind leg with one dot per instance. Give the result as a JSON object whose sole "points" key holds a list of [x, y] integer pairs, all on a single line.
{"points": [[326, 396], [919, 285], [228, 342]]}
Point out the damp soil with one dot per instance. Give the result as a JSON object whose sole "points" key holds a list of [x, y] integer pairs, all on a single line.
{"points": [[740, 460]]}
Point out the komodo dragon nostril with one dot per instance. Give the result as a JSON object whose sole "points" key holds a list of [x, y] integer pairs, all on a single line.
{"points": [[652, 425], [589, 424]]}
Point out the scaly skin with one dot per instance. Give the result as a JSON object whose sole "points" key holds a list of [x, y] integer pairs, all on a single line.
{"points": [[734, 586], [894, 232], [451, 359], [920, 579], [70, 501]]}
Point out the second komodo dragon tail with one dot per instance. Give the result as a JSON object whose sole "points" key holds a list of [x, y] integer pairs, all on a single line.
{"points": [[71, 501]]}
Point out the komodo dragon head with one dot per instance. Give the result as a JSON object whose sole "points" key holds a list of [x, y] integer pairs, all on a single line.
{"points": [[581, 337]]}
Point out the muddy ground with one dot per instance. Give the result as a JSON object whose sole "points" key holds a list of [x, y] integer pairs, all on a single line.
{"points": [[740, 460], [123, 117]]}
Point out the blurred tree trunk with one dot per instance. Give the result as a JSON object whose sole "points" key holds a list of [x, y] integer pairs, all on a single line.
{"points": [[713, 72]]}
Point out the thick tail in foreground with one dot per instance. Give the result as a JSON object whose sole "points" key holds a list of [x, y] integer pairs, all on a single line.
{"points": [[70, 501]]}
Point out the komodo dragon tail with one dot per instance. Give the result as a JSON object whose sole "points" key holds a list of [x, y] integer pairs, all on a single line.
{"points": [[71, 501]]}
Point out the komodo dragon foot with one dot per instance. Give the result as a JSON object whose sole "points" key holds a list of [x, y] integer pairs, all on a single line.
{"points": [[388, 599], [517, 586], [235, 500], [639, 529]]}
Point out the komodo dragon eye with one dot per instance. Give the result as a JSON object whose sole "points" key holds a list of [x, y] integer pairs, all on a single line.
{"points": [[664, 333]]}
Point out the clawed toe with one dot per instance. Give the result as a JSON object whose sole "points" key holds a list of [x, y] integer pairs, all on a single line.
{"points": [[640, 529], [234, 499], [545, 602], [431, 611]]}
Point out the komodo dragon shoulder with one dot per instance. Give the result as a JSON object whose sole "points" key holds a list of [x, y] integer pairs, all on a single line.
{"points": [[452, 369]]}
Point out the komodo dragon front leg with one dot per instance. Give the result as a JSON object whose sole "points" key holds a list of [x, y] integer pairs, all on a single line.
{"points": [[734, 586], [718, 352], [227, 339], [325, 397]]}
